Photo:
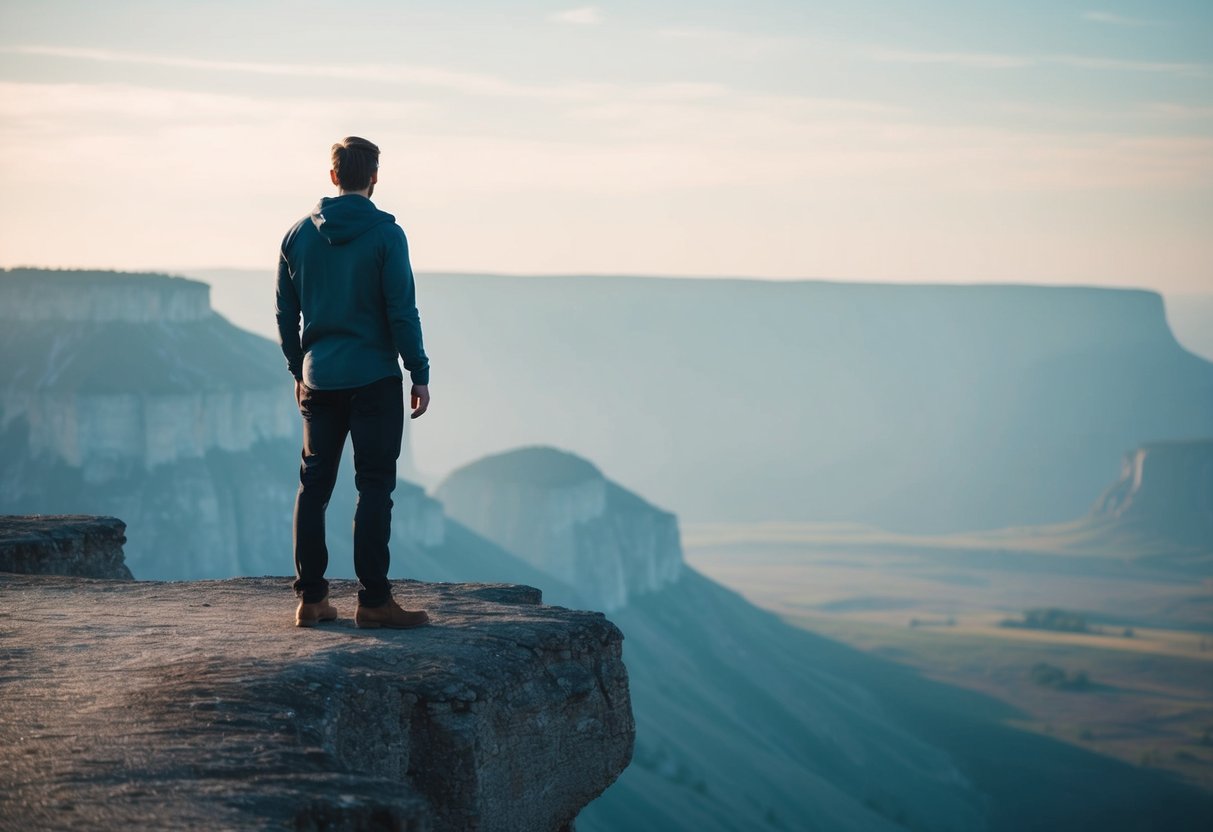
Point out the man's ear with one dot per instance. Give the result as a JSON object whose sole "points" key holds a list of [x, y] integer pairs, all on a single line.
{"points": [[333, 176], [375, 178]]}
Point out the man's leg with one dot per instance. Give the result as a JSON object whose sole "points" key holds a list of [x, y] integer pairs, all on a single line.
{"points": [[325, 425], [376, 426]]}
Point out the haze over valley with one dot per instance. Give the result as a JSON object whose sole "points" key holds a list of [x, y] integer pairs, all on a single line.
{"points": [[821, 433], [914, 593], [765, 400]]}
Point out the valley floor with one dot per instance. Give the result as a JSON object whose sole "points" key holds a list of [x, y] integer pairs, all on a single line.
{"points": [[938, 605]]}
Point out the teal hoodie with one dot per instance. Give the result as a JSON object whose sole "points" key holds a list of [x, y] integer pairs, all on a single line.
{"points": [[345, 269]]}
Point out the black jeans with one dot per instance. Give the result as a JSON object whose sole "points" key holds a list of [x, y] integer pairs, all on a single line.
{"points": [[373, 416]]}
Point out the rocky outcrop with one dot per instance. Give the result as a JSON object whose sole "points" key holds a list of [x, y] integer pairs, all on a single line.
{"points": [[199, 705], [560, 514], [126, 395], [88, 547], [1165, 490]]}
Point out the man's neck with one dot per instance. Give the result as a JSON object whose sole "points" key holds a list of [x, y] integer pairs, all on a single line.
{"points": [[366, 192]]}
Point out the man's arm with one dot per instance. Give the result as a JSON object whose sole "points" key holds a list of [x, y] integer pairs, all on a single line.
{"points": [[400, 300], [286, 309]]}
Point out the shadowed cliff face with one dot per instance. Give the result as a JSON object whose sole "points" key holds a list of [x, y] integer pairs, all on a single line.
{"points": [[200, 705], [127, 395], [558, 513], [1166, 491]]}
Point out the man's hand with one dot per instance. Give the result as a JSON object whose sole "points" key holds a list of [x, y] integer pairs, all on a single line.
{"points": [[420, 399], [299, 392]]}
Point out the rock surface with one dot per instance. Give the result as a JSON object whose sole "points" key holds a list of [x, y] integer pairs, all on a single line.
{"points": [[141, 705], [560, 514], [1165, 489], [72, 544]]}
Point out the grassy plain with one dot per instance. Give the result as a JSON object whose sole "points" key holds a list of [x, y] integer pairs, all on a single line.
{"points": [[937, 604]]}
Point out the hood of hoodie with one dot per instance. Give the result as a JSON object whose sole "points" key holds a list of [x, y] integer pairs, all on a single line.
{"points": [[340, 219]]}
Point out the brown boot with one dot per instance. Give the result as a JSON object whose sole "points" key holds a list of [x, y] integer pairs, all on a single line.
{"points": [[309, 615], [389, 615]]}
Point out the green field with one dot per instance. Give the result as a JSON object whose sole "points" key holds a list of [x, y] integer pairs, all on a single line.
{"points": [[937, 604]]}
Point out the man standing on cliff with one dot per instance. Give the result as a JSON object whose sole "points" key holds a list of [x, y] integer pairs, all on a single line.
{"points": [[345, 269]]}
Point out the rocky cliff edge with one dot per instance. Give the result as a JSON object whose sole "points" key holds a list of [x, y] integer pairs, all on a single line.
{"points": [[144, 705], [63, 544]]}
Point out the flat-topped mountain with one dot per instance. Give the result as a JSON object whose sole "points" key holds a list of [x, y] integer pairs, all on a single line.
{"points": [[127, 395], [919, 408], [102, 297]]}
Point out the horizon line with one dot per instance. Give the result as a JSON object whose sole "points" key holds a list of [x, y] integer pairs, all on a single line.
{"points": [[910, 282]]}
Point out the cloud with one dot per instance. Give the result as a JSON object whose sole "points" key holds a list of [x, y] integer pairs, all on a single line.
{"points": [[678, 168], [1118, 19], [990, 60], [978, 60], [747, 46], [582, 101], [468, 83], [1170, 109], [581, 16], [624, 138], [122, 105], [1176, 68]]}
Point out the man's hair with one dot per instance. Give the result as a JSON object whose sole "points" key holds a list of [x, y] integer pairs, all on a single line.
{"points": [[355, 160]]}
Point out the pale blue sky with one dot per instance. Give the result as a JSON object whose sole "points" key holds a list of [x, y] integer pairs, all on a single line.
{"points": [[952, 141]]}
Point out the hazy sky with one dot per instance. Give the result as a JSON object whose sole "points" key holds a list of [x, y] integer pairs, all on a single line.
{"points": [[1035, 140]]}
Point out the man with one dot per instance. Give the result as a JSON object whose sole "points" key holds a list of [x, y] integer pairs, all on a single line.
{"points": [[345, 269]]}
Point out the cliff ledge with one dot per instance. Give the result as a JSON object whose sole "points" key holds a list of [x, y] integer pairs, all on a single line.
{"points": [[145, 705], [63, 544]]}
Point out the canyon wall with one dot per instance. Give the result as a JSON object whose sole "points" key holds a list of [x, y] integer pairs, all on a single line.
{"points": [[127, 395], [110, 372]]}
